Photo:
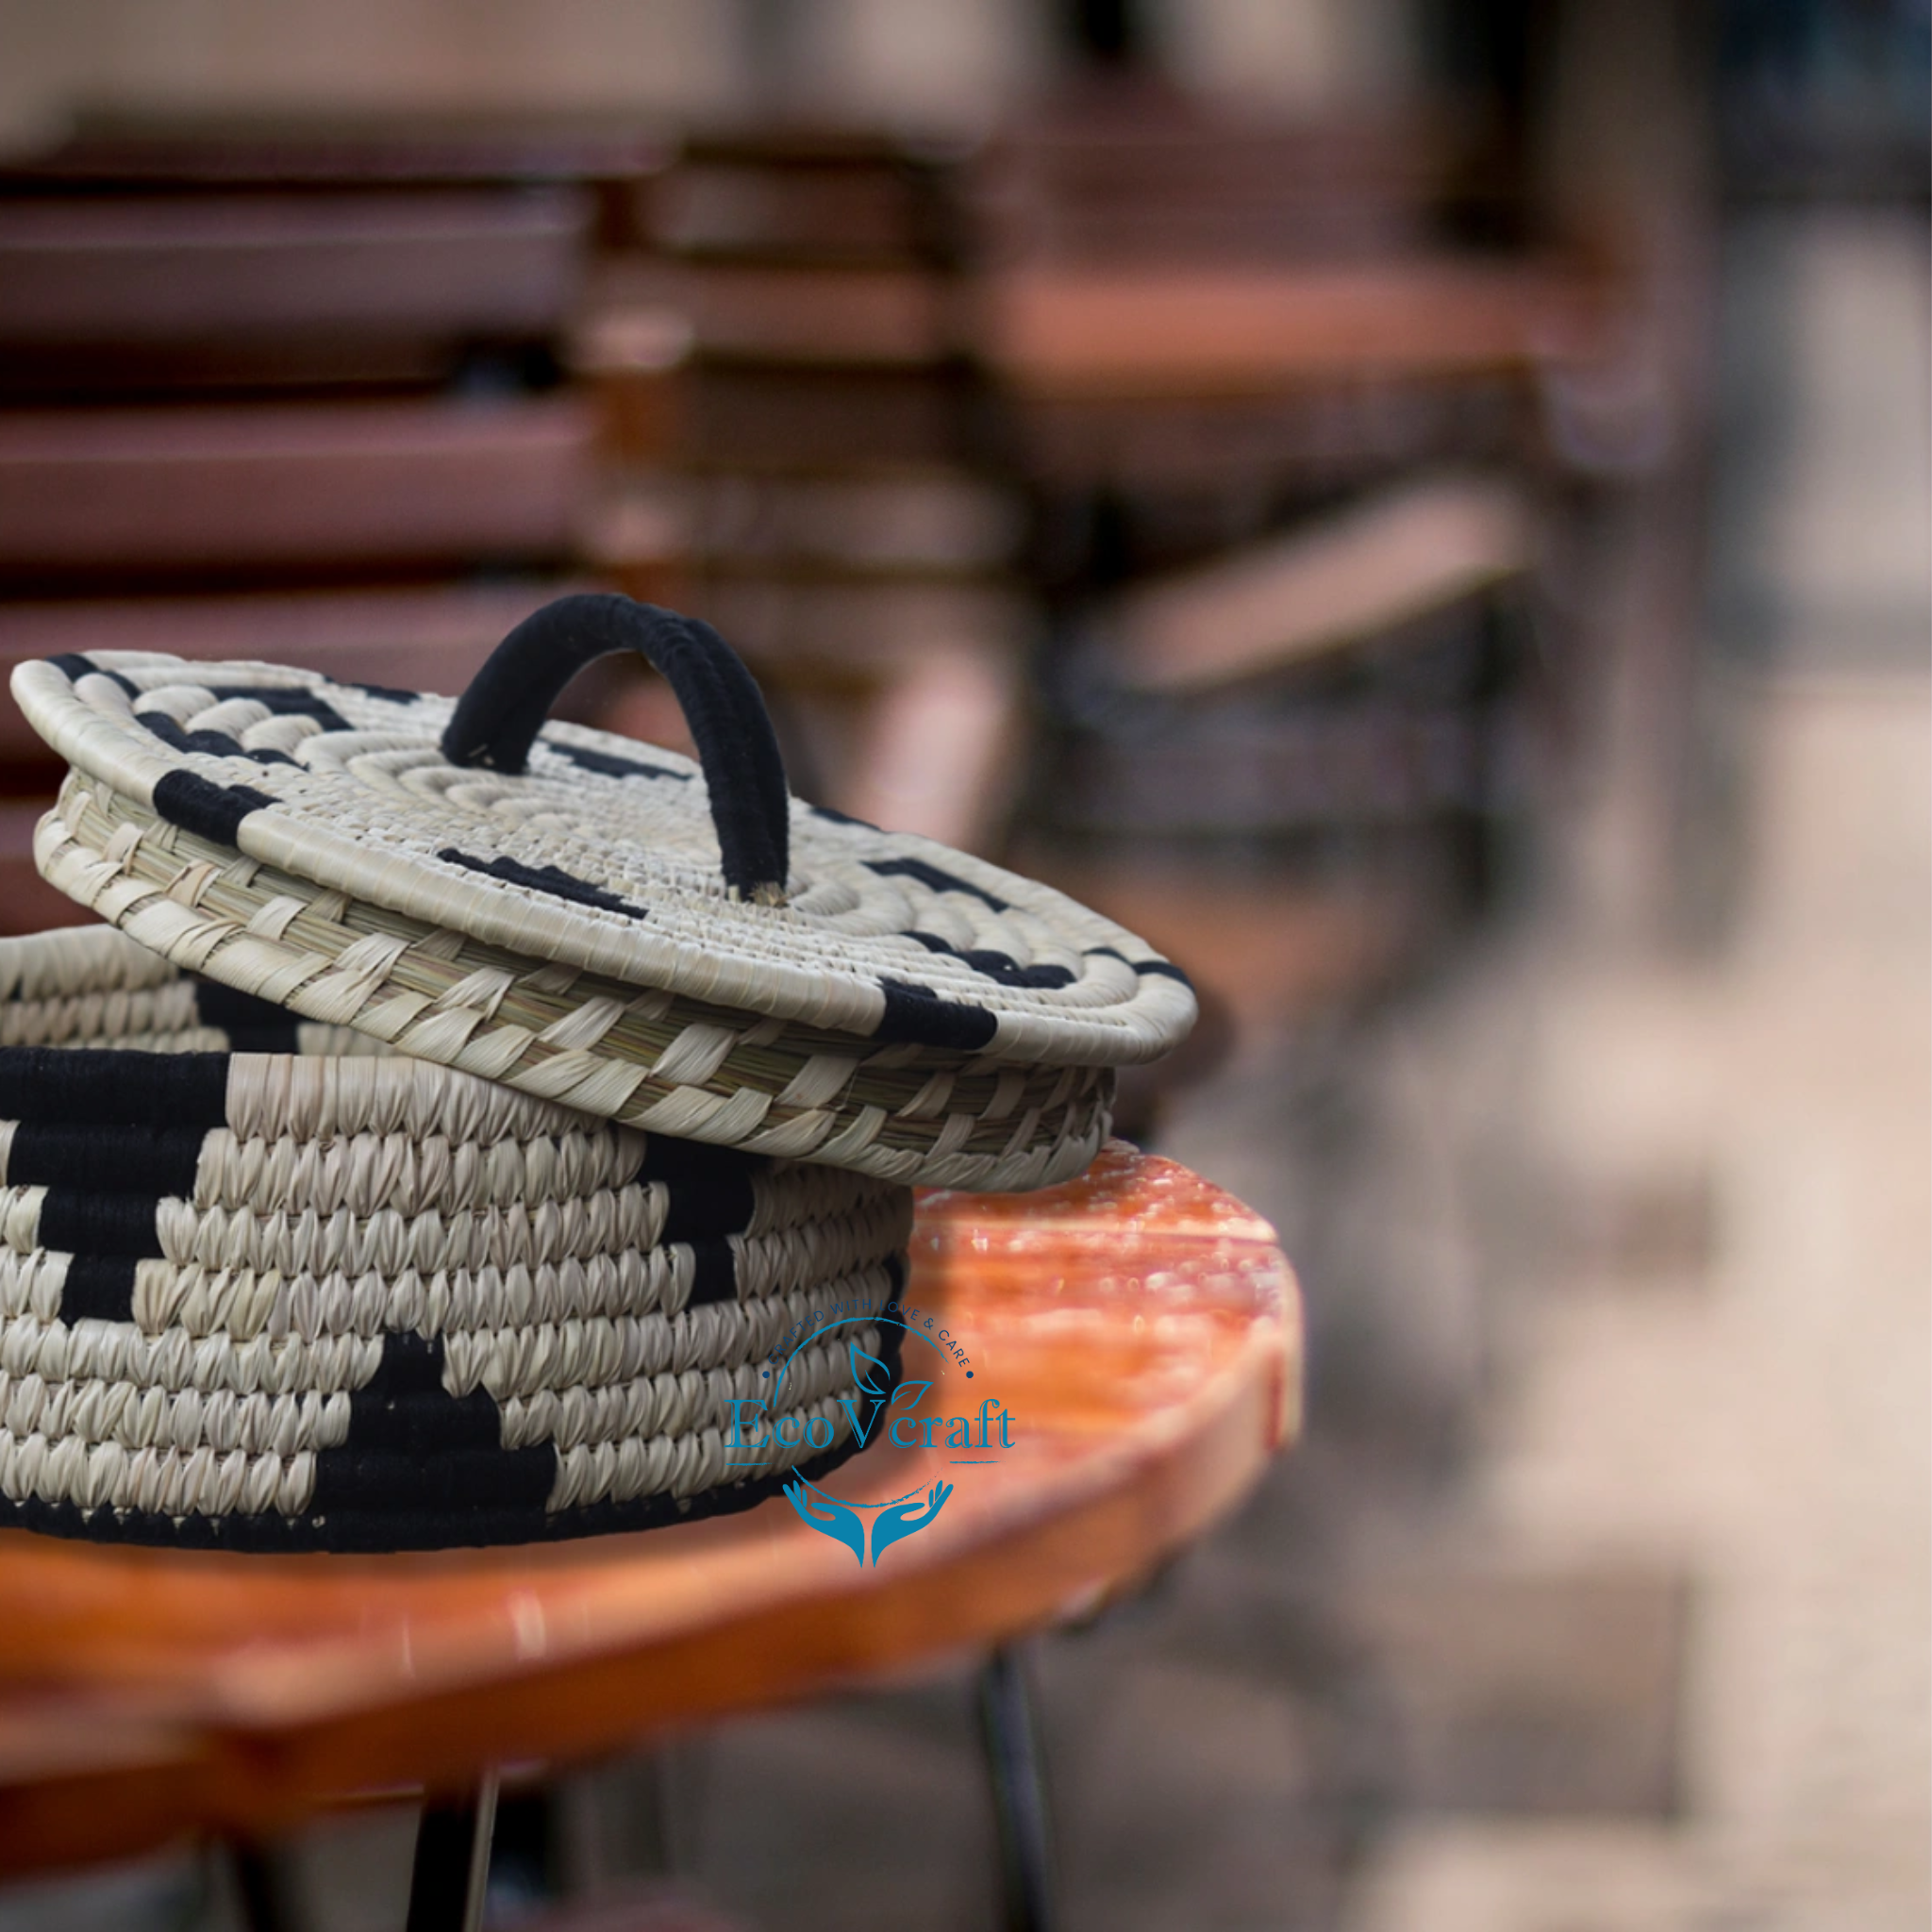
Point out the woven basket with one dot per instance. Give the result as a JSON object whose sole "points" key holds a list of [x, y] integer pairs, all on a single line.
{"points": [[259, 1294], [683, 948]]}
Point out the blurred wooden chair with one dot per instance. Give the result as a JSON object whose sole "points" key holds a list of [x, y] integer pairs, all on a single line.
{"points": [[1275, 419], [784, 384], [1342, 701], [1180, 296], [293, 392]]}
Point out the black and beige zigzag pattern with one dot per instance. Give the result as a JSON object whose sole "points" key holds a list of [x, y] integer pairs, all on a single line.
{"points": [[259, 1301]]}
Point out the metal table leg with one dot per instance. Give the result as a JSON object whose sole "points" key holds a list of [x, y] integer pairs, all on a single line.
{"points": [[262, 1889], [452, 1869], [1019, 1796]]}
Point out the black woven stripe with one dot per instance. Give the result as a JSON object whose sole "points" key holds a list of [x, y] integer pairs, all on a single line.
{"points": [[148, 1161], [285, 704], [715, 1276], [695, 1163], [1158, 969], [841, 818], [252, 1024], [98, 1289], [347, 1530], [932, 877], [425, 1422], [73, 1222], [413, 1445], [705, 1196], [208, 810], [607, 766], [551, 879], [410, 1525], [917, 1015], [1002, 968], [74, 665], [405, 1405], [99, 1224], [122, 1089], [440, 1483], [217, 744]]}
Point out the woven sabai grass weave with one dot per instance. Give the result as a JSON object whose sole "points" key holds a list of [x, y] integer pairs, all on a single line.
{"points": [[258, 1295], [684, 948]]}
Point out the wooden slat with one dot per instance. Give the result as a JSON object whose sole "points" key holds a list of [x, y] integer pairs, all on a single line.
{"points": [[826, 421], [1132, 334], [1361, 574], [1146, 175], [871, 628], [825, 212], [184, 489], [940, 528], [211, 149], [890, 315], [1334, 765], [1320, 432], [945, 523], [125, 272]]}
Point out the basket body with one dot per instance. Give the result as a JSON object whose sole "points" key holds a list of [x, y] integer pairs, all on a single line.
{"points": [[260, 1292]]}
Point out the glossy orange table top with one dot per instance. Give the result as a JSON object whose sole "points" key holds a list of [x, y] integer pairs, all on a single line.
{"points": [[1139, 1326]]}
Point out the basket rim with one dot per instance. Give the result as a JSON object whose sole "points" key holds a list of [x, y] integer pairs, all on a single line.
{"points": [[958, 1121]]}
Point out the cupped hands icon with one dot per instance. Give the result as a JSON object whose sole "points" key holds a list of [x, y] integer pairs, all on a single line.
{"points": [[842, 1522]]}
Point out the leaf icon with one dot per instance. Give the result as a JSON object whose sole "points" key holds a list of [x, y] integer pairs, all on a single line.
{"points": [[907, 1400], [868, 1371]]}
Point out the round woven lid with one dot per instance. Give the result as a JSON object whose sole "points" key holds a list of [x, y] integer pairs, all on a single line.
{"points": [[579, 852]]}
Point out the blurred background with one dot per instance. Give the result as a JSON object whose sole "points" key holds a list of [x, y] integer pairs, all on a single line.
{"points": [[1420, 508]]}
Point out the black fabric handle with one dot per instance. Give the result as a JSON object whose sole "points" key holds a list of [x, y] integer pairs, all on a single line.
{"points": [[497, 719]]}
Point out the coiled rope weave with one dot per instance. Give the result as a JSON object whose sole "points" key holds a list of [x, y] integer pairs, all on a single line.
{"points": [[259, 1294], [684, 948]]}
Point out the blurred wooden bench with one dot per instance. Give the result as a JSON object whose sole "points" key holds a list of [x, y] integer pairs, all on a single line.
{"points": [[1179, 297], [1276, 417], [308, 490], [783, 378], [107, 151], [124, 293], [295, 392]]}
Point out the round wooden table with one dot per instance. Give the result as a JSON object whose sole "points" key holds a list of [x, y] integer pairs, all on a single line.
{"points": [[1139, 1326]]}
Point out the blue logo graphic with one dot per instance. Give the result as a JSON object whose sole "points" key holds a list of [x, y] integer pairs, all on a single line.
{"points": [[761, 1425], [842, 1522]]}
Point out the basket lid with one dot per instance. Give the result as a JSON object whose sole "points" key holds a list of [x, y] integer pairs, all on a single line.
{"points": [[577, 852]]}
